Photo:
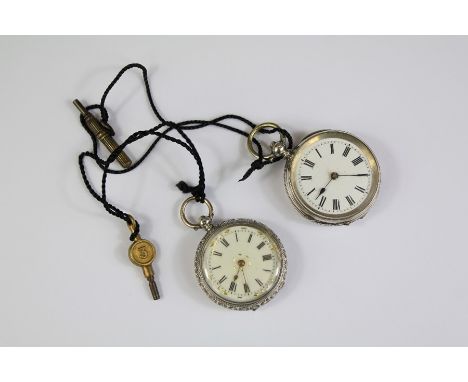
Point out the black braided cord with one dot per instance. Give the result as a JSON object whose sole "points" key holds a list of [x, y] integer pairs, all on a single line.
{"points": [[198, 191]]}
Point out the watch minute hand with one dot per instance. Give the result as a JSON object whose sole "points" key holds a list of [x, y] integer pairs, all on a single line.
{"points": [[353, 174]]}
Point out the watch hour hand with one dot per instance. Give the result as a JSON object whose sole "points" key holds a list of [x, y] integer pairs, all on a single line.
{"points": [[246, 286], [333, 176], [322, 190]]}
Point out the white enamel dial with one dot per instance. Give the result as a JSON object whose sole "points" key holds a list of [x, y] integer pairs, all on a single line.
{"points": [[332, 177], [241, 263]]}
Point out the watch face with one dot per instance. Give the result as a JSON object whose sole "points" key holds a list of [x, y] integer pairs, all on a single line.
{"points": [[241, 264], [333, 177]]}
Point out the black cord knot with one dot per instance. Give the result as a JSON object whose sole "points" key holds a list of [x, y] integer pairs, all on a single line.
{"points": [[197, 191], [257, 164]]}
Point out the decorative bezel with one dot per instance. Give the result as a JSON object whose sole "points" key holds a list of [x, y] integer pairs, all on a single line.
{"points": [[306, 210], [251, 305]]}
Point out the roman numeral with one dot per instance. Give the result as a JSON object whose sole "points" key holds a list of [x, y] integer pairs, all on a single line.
{"points": [[318, 152], [311, 191], [336, 204], [224, 242], [222, 279], [346, 151], [332, 149], [246, 288], [322, 201], [309, 163], [350, 200], [357, 161], [266, 257], [259, 282], [306, 177], [360, 189], [236, 237], [216, 253], [219, 266], [233, 286], [250, 238], [260, 246]]}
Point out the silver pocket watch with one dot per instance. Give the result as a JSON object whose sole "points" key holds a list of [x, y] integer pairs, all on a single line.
{"points": [[331, 177], [240, 264]]}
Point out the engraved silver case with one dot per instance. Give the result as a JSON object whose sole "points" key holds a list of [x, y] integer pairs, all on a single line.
{"points": [[292, 161], [250, 305]]}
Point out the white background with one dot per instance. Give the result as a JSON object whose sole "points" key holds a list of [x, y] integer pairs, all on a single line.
{"points": [[398, 277]]}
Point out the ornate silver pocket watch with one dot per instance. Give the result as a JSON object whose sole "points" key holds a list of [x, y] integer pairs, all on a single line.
{"points": [[331, 177], [240, 264]]}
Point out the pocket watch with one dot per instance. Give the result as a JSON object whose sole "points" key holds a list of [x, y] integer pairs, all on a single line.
{"points": [[240, 264], [331, 177]]}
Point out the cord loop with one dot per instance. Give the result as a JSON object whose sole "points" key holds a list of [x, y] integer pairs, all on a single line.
{"points": [[197, 191], [134, 227]]}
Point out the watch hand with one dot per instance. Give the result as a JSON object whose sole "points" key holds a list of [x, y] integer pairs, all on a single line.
{"points": [[353, 174], [236, 275], [246, 286], [322, 190], [333, 176], [244, 275], [240, 263]]}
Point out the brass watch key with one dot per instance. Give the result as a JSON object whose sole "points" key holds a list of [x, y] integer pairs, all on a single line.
{"points": [[142, 253], [101, 131]]}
